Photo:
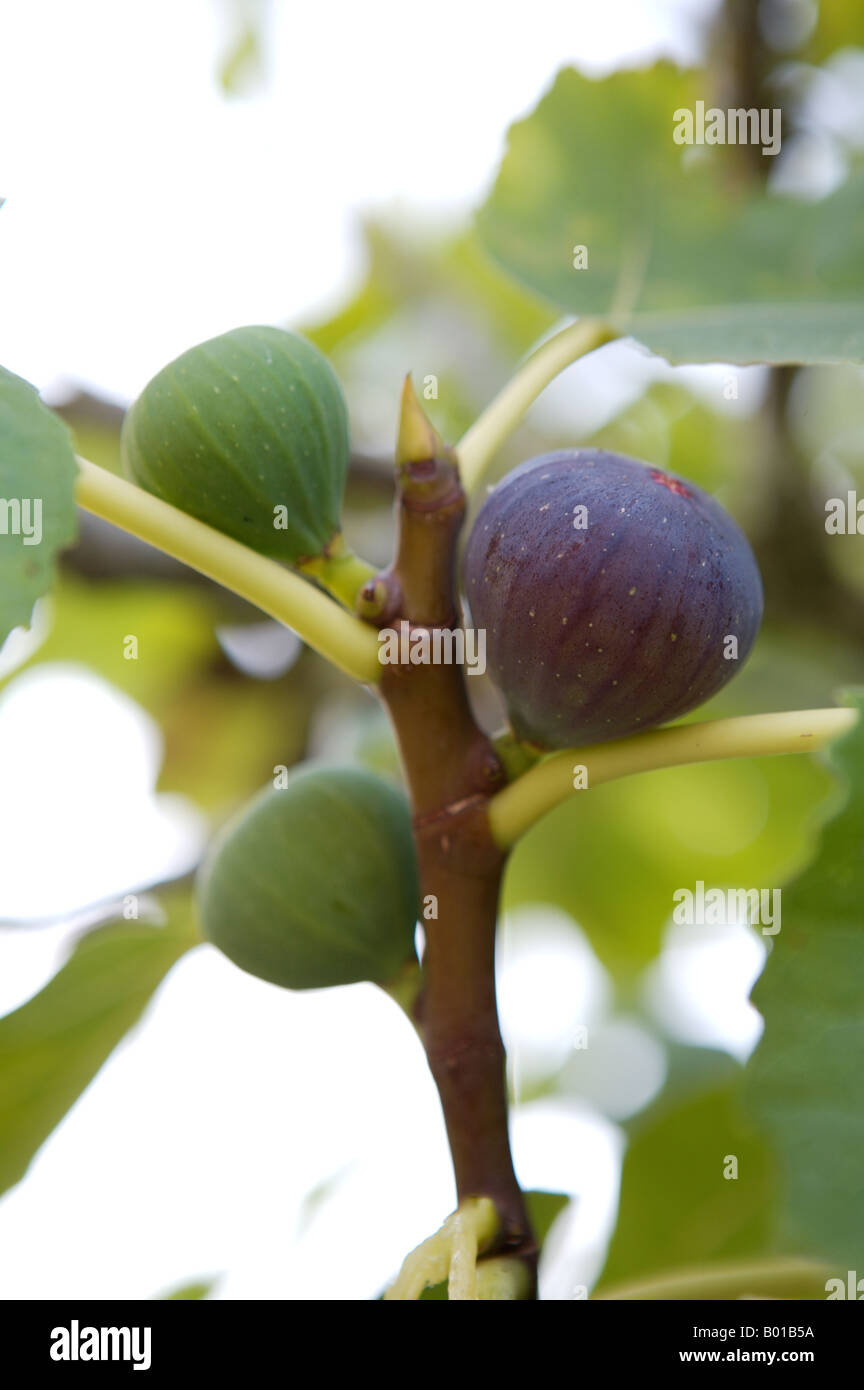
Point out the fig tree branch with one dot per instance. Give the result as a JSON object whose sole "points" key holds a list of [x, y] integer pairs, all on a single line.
{"points": [[479, 444], [281, 594], [451, 769], [515, 809]]}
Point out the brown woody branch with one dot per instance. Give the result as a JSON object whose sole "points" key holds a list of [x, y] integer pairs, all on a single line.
{"points": [[452, 770]]}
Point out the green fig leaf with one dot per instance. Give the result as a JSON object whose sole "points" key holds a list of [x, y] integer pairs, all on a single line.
{"points": [[598, 208], [743, 821], [679, 1206], [315, 883], [804, 1084], [185, 1293], [52, 1047], [37, 498], [248, 432]]}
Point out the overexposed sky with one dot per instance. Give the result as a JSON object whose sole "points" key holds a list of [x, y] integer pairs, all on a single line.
{"points": [[146, 212]]}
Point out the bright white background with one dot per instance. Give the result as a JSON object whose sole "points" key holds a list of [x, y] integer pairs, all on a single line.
{"points": [[146, 212]]}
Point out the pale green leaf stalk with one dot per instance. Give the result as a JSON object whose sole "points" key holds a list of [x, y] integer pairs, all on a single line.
{"points": [[323, 625]]}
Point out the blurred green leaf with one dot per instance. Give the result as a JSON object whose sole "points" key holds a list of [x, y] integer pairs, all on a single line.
{"points": [[612, 857], [95, 426], [827, 406], [241, 66], [202, 1288], [434, 1293], [676, 1206], [376, 300], [794, 667], [805, 1082], [204, 706], [700, 265], [254, 725], [543, 1208], [819, 332], [403, 270], [668, 427], [37, 467], [839, 25], [515, 316], [439, 307], [91, 622], [52, 1047]]}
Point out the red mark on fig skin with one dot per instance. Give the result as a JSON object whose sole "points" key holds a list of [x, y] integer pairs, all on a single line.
{"points": [[672, 483]]}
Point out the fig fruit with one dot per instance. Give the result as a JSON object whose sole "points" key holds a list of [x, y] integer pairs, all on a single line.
{"points": [[248, 432], [315, 882], [615, 596]]}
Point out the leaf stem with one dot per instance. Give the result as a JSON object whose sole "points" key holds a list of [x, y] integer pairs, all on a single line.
{"points": [[778, 1278], [340, 572], [499, 419], [515, 809], [346, 641]]}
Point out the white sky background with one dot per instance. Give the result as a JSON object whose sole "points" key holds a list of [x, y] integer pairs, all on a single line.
{"points": [[145, 212]]}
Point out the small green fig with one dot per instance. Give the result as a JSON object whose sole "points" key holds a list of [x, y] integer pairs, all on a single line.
{"points": [[249, 433], [315, 882]]}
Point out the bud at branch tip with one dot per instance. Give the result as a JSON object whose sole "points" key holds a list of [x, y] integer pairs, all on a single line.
{"points": [[418, 439]]}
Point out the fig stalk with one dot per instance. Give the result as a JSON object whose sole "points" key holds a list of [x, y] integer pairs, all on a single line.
{"points": [[281, 594], [340, 571], [521, 804], [479, 444]]}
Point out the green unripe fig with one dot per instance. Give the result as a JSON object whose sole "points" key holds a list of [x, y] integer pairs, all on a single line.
{"points": [[249, 433], [315, 882]]}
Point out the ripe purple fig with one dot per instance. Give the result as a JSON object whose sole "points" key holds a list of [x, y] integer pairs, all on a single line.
{"points": [[614, 596]]}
